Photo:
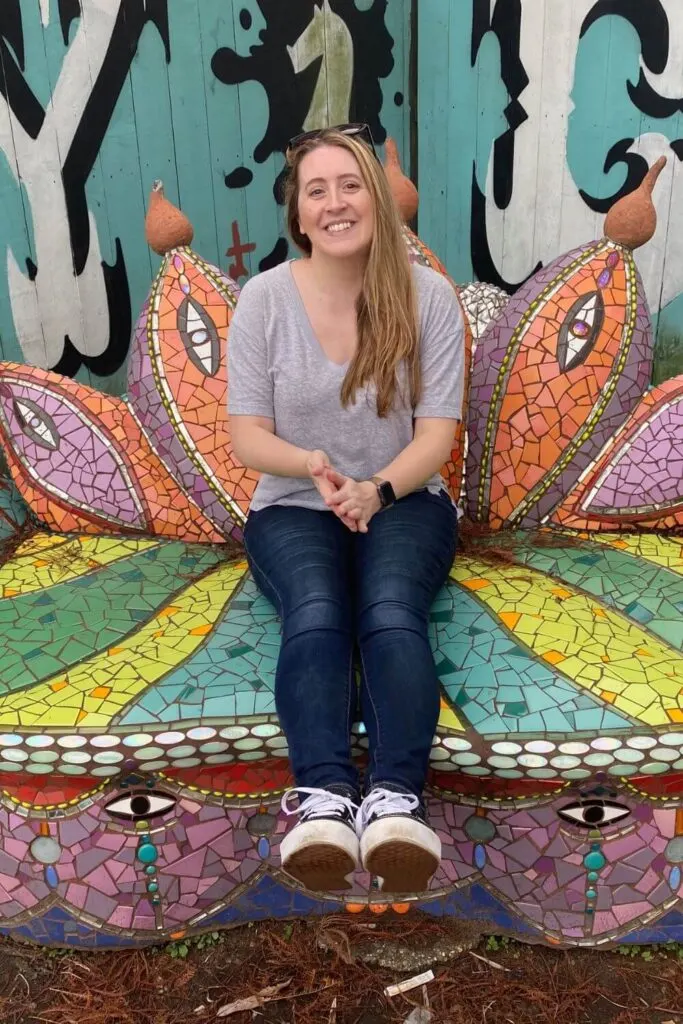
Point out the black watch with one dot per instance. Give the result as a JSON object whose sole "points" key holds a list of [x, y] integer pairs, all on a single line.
{"points": [[386, 493]]}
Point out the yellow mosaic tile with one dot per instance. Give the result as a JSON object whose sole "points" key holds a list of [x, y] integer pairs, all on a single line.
{"points": [[28, 572], [142, 659], [605, 653]]}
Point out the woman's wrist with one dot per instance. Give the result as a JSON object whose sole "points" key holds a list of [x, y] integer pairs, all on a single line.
{"points": [[373, 492]]}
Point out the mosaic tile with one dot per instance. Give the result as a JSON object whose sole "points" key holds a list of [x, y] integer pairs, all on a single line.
{"points": [[142, 763], [13, 510]]}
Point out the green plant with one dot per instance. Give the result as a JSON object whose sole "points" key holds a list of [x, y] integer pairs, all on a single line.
{"points": [[181, 948]]}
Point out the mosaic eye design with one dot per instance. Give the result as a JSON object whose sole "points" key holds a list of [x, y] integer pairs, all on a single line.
{"points": [[593, 813], [580, 330], [199, 336], [134, 806], [36, 423]]}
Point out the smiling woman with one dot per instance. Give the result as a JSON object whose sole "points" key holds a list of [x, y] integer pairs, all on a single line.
{"points": [[347, 374]]}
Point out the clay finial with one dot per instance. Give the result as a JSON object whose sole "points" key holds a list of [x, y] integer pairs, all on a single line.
{"points": [[402, 188], [166, 227], [632, 220]]}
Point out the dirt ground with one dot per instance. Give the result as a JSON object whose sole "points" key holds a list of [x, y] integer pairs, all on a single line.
{"points": [[335, 971]]}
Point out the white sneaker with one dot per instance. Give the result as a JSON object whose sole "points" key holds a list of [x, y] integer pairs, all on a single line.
{"points": [[322, 848], [396, 843]]}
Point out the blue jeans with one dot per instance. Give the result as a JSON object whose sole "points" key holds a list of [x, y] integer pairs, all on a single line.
{"points": [[338, 591]]}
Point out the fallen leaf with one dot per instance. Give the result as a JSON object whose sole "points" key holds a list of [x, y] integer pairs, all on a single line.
{"points": [[266, 995]]}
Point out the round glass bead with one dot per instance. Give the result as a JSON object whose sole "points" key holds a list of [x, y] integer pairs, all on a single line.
{"points": [[150, 870], [592, 876], [155, 900], [148, 853], [152, 887], [142, 826], [594, 861], [591, 894]]}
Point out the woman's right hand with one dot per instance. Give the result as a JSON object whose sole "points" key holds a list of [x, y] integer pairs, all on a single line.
{"points": [[316, 464]]}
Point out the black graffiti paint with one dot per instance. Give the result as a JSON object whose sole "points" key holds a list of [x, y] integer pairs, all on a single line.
{"points": [[636, 169], [651, 23], [289, 94], [648, 18], [13, 86], [506, 24], [132, 18]]}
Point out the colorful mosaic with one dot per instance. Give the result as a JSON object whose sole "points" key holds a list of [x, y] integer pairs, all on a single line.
{"points": [[141, 757], [14, 513]]}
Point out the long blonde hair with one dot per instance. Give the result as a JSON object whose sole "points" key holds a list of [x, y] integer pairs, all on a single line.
{"points": [[386, 309]]}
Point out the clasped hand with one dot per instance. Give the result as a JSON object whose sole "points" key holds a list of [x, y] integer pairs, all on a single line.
{"points": [[354, 501]]}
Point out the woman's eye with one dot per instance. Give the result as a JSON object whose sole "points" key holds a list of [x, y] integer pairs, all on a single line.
{"points": [[594, 813], [140, 805]]}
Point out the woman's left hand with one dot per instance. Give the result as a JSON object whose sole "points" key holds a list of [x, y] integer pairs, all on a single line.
{"points": [[356, 499]]}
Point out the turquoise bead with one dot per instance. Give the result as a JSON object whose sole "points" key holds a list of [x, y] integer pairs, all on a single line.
{"points": [[150, 870], [155, 901], [147, 853], [592, 876], [594, 861], [589, 910], [152, 887], [595, 846], [591, 894]]}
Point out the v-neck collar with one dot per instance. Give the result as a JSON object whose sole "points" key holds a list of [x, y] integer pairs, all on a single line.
{"points": [[308, 326]]}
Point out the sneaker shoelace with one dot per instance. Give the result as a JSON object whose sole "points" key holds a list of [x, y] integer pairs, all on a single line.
{"points": [[381, 802], [320, 803]]}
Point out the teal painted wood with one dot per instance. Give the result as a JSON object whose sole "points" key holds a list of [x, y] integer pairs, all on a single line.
{"points": [[396, 86], [188, 94], [260, 222], [433, 64]]}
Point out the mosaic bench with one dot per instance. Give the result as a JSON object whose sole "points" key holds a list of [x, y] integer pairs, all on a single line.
{"points": [[141, 759]]}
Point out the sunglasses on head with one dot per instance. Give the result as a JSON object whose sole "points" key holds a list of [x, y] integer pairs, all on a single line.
{"points": [[360, 131]]}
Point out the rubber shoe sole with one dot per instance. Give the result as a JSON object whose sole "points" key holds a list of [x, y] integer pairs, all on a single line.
{"points": [[320, 854], [402, 852]]}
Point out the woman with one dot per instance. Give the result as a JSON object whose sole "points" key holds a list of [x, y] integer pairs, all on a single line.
{"points": [[346, 381]]}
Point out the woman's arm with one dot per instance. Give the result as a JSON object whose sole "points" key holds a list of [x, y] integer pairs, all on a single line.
{"points": [[256, 445], [423, 457]]}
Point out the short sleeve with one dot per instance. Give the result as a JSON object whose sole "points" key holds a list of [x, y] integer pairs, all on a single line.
{"points": [[442, 347], [250, 386]]}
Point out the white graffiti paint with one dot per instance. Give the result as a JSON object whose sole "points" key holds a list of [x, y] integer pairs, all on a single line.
{"points": [[326, 36], [536, 226], [57, 303]]}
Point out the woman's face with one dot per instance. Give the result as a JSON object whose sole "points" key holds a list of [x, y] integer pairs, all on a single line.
{"points": [[334, 204]]}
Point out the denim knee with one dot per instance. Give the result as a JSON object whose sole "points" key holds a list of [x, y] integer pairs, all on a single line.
{"points": [[313, 614], [390, 615]]}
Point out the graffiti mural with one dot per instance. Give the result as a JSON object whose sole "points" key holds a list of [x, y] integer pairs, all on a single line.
{"points": [[519, 125], [97, 100]]}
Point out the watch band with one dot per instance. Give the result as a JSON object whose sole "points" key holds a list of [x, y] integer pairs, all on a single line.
{"points": [[386, 493]]}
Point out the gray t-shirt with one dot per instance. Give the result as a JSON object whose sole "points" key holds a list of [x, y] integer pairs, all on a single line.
{"points": [[277, 369]]}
